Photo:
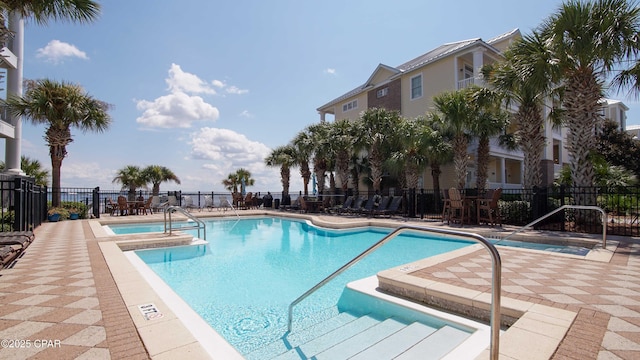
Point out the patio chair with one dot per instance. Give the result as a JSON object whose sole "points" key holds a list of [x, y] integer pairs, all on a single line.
{"points": [[110, 207], [488, 209], [456, 206], [146, 205], [156, 203], [123, 206], [368, 206], [187, 203], [224, 204], [446, 204], [208, 202], [172, 200]]}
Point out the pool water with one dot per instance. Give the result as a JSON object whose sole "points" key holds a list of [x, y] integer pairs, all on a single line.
{"points": [[243, 281]]}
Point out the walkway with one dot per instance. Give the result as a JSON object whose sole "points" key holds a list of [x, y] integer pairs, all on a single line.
{"points": [[62, 292]]}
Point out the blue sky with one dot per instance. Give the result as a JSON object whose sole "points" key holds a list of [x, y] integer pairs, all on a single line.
{"points": [[207, 87]]}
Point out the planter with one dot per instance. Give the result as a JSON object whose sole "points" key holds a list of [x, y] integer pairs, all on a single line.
{"points": [[54, 217], [74, 216]]}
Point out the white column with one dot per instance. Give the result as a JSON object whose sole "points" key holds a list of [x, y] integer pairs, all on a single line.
{"points": [[477, 65], [14, 87]]}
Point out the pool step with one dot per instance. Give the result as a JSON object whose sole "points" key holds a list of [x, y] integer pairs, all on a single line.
{"points": [[364, 337]]}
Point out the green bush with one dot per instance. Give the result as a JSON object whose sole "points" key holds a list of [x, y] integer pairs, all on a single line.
{"points": [[515, 212], [6, 222]]}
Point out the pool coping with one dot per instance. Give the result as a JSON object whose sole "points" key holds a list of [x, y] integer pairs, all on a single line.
{"points": [[167, 337]]}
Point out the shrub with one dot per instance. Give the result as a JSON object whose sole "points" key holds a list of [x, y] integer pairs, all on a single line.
{"points": [[515, 212]]}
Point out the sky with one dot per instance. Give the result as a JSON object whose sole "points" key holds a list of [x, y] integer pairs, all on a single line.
{"points": [[207, 87]]}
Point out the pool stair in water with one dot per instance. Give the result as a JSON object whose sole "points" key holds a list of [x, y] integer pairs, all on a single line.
{"points": [[385, 331]]}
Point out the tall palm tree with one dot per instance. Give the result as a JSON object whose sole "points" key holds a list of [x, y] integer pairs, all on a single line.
{"points": [[526, 78], [455, 113], [590, 41], [343, 139], [60, 106], [239, 178], [487, 120], [415, 137], [32, 168], [375, 127], [41, 11], [303, 149], [282, 156], [130, 177], [322, 151], [156, 174]]}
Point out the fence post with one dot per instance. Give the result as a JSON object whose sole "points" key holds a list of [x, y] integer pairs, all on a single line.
{"points": [[412, 203], [18, 206], [562, 195], [96, 202]]}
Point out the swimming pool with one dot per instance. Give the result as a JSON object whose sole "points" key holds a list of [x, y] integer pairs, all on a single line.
{"points": [[243, 281]]}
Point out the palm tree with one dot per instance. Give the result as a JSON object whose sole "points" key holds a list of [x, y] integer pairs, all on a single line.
{"points": [[282, 156], [487, 120], [589, 42], [32, 168], [303, 148], [322, 151], [60, 106], [376, 126], [455, 113], [131, 177], [525, 77], [41, 11], [156, 174], [343, 140], [415, 137], [242, 177]]}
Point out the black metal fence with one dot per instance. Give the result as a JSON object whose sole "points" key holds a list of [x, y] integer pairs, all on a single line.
{"points": [[24, 204]]}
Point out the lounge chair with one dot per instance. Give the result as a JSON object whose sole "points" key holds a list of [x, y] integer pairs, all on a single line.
{"points": [[208, 202], [392, 208], [156, 203], [357, 204], [382, 205], [224, 204], [347, 204], [187, 203], [172, 200], [368, 206]]}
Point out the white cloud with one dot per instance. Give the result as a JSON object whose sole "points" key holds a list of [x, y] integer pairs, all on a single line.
{"points": [[180, 81], [56, 51], [330, 71], [246, 114], [225, 151], [236, 90], [176, 110]]}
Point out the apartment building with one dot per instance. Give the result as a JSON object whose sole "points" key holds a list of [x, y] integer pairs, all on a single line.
{"points": [[410, 87]]}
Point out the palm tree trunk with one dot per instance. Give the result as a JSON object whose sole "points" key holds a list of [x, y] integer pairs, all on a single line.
{"points": [[482, 163], [56, 164], [460, 159], [532, 144], [582, 96], [375, 162], [435, 175]]}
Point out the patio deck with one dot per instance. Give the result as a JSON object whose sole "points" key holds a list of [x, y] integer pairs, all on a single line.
{"points": [[61, 290]]}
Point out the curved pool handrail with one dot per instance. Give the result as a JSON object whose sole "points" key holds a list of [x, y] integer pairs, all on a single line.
{"points": [[496, 266], [168, 225]]}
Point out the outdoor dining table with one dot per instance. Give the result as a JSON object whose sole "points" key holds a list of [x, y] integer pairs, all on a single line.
{"points": [[134, 206]]}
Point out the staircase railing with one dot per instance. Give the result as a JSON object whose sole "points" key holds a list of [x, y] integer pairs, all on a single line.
{"points": [[496, 267], [168, 224], [579, 207]]}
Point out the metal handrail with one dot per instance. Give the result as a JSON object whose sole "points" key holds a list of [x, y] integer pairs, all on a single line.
{"points": [[495, 286], [579, 207], [171, 209]]}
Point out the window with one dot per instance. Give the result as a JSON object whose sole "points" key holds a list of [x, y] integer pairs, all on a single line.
{"points": [[416, 87], [383, 92], [350, 105]]}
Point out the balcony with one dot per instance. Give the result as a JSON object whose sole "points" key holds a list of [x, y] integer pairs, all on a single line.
{"points": [[465, 83], [7, 131]]}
